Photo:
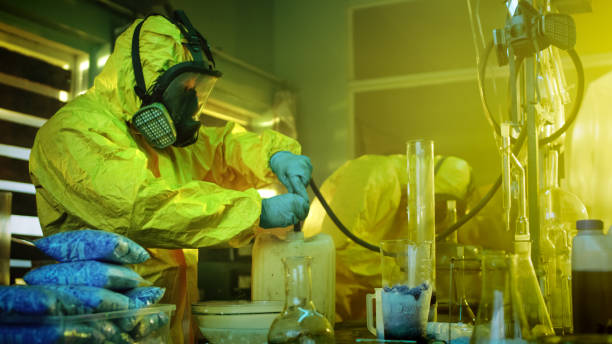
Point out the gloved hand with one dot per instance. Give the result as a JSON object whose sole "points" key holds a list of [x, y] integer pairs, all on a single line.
{"points": [[283, 210], [293, 171]]}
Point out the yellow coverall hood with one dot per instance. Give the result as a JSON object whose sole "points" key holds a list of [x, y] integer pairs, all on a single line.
{"points": [[92, 170], [116, 81]]}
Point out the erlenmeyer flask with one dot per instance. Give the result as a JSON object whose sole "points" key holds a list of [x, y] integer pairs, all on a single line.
{"points": [[500, 317], [299, 322], [536, 313]]}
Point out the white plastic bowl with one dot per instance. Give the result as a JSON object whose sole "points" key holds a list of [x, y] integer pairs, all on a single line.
{"points": [[246, 322]]}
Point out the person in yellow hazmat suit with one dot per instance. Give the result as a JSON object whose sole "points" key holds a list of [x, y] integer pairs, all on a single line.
{"points": [[368, 195], [130, 156]]}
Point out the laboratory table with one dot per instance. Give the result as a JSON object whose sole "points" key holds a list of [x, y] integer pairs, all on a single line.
{"points": [[349, 331]]}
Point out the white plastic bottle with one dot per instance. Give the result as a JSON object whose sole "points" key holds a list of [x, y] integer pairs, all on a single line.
{"points": [[268, 280], [592, 278]]}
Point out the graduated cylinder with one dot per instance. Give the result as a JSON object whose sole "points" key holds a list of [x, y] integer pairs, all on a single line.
{"points": [[421, 202]]}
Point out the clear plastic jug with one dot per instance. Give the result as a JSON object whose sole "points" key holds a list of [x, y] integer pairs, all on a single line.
{"points": [[592, 278], [268, 278]]}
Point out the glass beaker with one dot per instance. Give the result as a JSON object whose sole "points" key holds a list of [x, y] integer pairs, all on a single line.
{"points": [[500, 317], [421, 202], [5, 237], [407, 269], [299, 322], [452, 262]]}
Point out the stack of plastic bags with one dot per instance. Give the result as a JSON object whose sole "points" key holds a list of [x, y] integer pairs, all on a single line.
{"points": [[91, 277]]}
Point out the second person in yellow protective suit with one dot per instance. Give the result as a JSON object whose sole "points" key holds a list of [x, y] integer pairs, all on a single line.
{"points": [[368, 194], [129, 156]]}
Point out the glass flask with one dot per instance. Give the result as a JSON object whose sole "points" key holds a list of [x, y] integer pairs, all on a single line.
{"points": [[515, 206], [299, 322], [528, 287], [560, 210], [500, 317]]}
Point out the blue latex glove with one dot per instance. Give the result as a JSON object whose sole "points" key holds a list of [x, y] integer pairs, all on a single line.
{"points": [[293, 171], [283, 210]]}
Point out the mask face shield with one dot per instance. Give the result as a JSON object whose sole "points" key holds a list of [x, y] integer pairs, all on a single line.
{"points": [[186, 95]]}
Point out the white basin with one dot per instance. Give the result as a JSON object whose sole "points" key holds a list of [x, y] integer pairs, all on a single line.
{"points": [[246, 322]]}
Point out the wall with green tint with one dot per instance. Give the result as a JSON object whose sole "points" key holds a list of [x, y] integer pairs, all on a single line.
{"points": [[243, 29], [312, 53]]}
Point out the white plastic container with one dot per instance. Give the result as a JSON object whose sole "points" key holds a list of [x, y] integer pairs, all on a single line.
{"points": [[268, 280], [592, 278]]}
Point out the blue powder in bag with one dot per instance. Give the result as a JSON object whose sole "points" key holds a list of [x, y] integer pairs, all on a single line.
{"points": [[37, 300], [49, 334], [149, 324], [141, 325], [144, 296], [111, 332], [91, 244], [89, 273], [98, 299]]}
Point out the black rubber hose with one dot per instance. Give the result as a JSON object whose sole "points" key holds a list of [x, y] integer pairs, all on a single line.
{"points": [[339, 224]]}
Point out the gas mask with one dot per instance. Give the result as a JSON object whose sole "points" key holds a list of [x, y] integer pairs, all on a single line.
{"points": [[172, 106]]}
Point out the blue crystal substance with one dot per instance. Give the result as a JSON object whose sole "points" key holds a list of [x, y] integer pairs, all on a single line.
{"points": [[91, 244], [144, 296], [405, 311], [89, 273]]}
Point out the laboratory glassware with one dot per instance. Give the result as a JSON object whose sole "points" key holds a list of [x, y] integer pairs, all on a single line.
{"points": [[500, 317], [560, 210], [515, 207], [267, 269], [407, 269], [299, 322], [421, 201], [452, 259]]}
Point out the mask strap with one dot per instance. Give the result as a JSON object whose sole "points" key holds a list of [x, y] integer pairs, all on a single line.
{"points": [[197, 42], [140, 87]]}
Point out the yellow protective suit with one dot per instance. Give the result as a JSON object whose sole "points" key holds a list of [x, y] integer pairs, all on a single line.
{"points": [[368, 195], [92, 170]]}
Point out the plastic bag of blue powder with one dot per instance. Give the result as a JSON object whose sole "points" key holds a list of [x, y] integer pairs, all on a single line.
{"points": [[89, 273], [141, 325], [98, 299], [149, 324], [37, 300], [49, 334], [111, 332], [92, 244], [144, 296]]}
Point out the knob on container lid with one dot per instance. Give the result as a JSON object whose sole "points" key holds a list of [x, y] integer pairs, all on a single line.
{"points": [[591, 224]]}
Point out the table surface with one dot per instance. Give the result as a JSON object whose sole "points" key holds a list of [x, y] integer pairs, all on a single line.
{"points": [[349, 331]]}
